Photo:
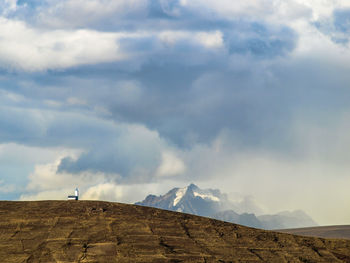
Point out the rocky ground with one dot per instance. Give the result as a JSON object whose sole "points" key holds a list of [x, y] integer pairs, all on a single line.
{"points": [[89, 231]]}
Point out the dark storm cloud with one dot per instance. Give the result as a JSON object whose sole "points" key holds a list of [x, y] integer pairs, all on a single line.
{"points": [[184, 91], [177, 85], [133, 162], [176, 80]]}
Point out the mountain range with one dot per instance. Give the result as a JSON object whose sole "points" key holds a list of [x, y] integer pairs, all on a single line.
{"points": [[212, 203]]}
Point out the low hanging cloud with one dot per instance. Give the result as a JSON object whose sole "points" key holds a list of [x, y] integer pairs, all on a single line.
{"points": [[171, 165], [127, 152], [45, 183], [273, 179]]}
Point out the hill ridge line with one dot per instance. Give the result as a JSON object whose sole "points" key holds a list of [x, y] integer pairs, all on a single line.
{"points": [[101, 231]]}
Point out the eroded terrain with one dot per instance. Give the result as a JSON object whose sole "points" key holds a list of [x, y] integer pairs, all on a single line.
{"points": [[91, 231]]}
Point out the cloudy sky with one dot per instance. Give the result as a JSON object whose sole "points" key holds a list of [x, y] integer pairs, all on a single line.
{"points": [[123, 98]]}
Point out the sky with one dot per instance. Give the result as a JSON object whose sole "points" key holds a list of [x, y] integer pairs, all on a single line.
{"points": [[124, 98]]}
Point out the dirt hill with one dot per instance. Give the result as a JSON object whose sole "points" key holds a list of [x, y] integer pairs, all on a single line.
{"points": [[88, 231], [321, 231]]}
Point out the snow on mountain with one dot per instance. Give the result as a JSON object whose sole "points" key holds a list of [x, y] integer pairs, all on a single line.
{"points": [[190, 199], [213, 203], [204, 196], [179, 194]]}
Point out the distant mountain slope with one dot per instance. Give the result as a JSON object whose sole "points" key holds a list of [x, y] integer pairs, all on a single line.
{"points": [[212, 203], [321, 231], [287, 219], [242, 219], [92, 231]]}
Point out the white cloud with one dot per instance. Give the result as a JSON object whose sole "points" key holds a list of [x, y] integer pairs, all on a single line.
{"points": [[45, 177], [105, 191], [171, 165], [140, 148], [25, 48], [46, 183], [210, 39], [30, 49]]}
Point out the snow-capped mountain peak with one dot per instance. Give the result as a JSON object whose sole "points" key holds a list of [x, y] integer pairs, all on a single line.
{"points": [[190, 199], [212, 203], [179, 195]]}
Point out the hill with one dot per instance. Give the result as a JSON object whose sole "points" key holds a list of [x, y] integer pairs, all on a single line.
{"points": [[321, 231], [93, 231]]}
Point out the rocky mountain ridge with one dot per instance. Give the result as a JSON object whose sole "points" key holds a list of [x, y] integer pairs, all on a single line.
{"points": [[212, 203]]}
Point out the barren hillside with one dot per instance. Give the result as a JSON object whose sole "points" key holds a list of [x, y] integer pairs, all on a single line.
{"points": [[321, 231], [88, 231]]}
